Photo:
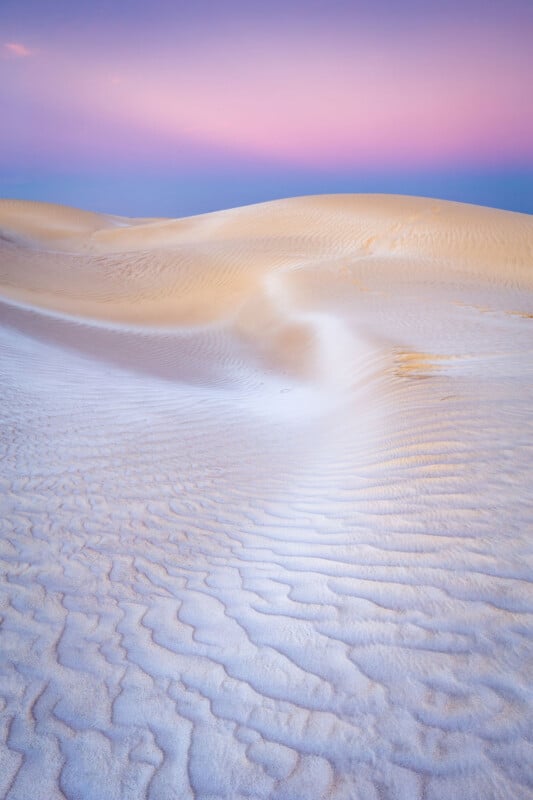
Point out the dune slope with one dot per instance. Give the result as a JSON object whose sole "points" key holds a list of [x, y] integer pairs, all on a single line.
{"points": [[265, 502]]}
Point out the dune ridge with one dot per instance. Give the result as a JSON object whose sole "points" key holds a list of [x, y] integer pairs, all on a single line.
{"points": [[265, 508]]}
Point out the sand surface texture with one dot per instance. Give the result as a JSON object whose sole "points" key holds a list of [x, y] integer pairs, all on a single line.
{"points": [[265, 502]]}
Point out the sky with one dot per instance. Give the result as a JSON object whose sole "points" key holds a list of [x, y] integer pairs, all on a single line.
{"points": [[173, 108]]}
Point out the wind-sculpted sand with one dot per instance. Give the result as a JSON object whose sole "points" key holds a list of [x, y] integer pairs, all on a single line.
{"points": [[266, 502]]}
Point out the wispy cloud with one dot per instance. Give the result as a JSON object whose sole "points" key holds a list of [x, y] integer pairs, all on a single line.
{"points": [[16, 50]]}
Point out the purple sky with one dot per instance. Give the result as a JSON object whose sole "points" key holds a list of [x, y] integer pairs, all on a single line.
{"points": [[174, 107]]}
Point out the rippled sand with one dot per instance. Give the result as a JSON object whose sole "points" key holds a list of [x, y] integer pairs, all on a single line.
{"points": [[265, 502]]}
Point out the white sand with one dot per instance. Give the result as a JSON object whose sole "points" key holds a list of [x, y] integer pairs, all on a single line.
{"points": [[265, 502]]}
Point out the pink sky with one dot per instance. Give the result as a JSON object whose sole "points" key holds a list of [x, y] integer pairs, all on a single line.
{"points": [[307, 99]]}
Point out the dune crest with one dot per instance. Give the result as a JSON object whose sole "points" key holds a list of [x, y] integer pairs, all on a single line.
{"points": [[97, 266], [265, 517]]}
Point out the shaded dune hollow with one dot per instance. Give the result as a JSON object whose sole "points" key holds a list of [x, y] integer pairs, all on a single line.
{"points": [[265, 505]]}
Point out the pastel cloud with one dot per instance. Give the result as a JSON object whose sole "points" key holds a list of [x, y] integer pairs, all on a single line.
{"points": [[16, 50]]}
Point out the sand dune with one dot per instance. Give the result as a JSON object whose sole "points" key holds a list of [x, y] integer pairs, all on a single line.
{"points": [[265, 506]]}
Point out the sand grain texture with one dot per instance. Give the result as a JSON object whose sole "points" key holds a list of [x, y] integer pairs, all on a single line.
{"points": [[265, 502]]}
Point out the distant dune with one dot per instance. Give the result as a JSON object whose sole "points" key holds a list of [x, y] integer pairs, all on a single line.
{"points": [[265, 505]]}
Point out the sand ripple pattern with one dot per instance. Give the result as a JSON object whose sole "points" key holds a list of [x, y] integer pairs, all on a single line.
{"points": [[265, 503]]}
